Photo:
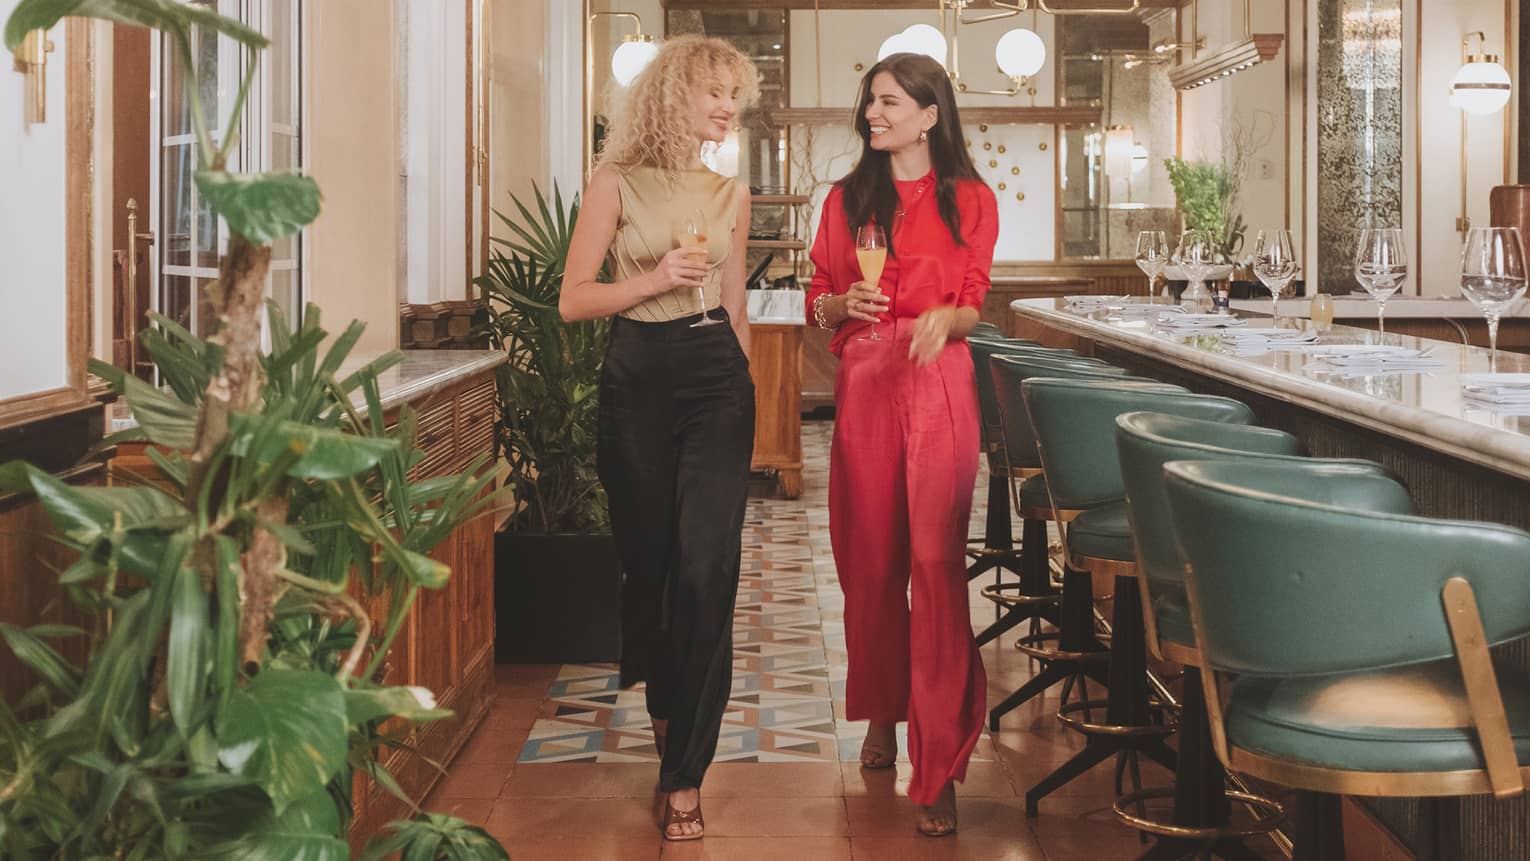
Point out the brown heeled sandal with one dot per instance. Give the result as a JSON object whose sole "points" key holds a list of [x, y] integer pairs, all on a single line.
{"points": [[682, 817]]}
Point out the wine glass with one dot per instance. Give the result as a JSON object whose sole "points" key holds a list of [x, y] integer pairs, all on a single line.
{"points": [[692, 233], [1381, 266], [1275, 265], [871, 254], [1194, 257], [1152, 255], [1493, 276]]}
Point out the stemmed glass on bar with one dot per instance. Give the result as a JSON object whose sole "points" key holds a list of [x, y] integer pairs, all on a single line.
{"points": [[1381, 266], [1493, 276], [1152, 255], [1275, 265], [1194, 257]]}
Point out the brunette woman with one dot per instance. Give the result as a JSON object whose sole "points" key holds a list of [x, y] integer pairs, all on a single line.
{"points": [[676, 400], [905, 448]]}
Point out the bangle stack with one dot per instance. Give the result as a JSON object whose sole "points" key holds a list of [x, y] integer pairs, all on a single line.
{"points": [[818, 317]]}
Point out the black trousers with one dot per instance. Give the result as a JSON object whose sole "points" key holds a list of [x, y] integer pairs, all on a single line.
{"points": [[676, 435]]}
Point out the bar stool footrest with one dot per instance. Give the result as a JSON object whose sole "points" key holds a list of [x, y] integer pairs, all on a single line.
{"points": [[1068, 715], [1273, 814], [997, 594], [1027, 645]]}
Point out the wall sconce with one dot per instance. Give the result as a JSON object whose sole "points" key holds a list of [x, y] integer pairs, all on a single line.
{"points": [[1118, 151], [630, 57], [32, 61], [1481, 86]]}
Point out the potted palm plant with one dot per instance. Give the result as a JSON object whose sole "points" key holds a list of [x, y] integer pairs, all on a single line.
{"points": [[558, 578]]}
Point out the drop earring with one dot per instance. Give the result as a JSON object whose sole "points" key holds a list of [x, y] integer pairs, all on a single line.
{"points": [[924, 135]]}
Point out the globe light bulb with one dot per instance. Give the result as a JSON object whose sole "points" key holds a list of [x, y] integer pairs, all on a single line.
{"points": [[926, 40], [893, 44], [630, 57], [1481, 86], [1020, 53]]}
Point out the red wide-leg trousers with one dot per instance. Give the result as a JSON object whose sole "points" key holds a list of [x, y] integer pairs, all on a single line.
{"points": [[901, 471]]}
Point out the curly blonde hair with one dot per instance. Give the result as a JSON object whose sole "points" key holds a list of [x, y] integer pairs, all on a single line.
{"points": [[652, 120]]}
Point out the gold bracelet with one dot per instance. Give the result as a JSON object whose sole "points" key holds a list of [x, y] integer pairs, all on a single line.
{"points": [[818, 316]]}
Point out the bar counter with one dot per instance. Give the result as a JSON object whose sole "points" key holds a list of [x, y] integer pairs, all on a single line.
{"points": [[1458, 460]]}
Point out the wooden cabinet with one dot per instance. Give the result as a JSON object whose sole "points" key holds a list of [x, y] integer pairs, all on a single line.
{"points": [[447, 641], [775, 363]]}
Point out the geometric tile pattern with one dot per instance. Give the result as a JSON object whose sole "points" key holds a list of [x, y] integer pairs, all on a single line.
{"points": [[788, 654]]}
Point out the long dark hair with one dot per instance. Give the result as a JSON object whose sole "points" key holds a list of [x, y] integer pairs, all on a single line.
{"points": [[868, 188]]}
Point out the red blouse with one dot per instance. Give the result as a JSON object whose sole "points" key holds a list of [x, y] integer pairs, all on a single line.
{"points": [[930, 269]]}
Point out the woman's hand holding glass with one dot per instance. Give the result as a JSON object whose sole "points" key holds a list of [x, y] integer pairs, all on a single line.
{"points": [[681, 267], [863, 301]]}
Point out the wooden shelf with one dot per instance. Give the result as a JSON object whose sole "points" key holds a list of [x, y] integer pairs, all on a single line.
{"points": [[785, 244], [1019, 115], [779, 199]]}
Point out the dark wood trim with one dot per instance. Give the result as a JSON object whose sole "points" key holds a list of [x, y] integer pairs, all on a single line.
{"points": [[1018, 115]]}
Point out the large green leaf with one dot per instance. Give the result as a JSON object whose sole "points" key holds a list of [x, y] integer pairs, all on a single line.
{"points": [[168, 15], [322, 453], [261, 207], [42, 658], [186, 663], [308, 830], [86, 514], [286, 730], [164, 419], [416, 704]]}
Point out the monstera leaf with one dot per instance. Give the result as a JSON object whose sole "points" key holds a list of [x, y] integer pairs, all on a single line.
{"points": [[169, 15], [287, 731], [261, 207]]}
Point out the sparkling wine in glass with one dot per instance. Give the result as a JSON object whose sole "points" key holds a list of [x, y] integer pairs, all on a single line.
{"points": [[692, 233], [1275, 265], [871, 254], [1493, 276], [1152, 255], [1381, 266]]}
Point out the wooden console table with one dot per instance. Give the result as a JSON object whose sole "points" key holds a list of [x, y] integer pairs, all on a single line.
{"points": [[775, 362]]}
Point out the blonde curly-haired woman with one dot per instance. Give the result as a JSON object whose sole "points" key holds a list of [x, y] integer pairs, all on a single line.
{"points": [[676, 400]]}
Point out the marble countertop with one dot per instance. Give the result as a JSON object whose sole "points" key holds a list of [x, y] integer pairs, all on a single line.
{"points": [[421, 373], [1361, 306], [1425, 408]]}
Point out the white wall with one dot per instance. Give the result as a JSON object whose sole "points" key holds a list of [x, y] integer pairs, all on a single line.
{"points": [[1439, 202], [32, 235]]}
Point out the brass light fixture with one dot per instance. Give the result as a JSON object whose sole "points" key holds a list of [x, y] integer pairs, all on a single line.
{"points": [[1481, 86], [32, 62], [634, 52], [1227, 61]]}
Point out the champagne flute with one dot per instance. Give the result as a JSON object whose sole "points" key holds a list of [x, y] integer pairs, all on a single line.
{"points": [[692, 233], [1381, 266], [1152, 255], [1275, 265], [871, 254], [1493, 276]]}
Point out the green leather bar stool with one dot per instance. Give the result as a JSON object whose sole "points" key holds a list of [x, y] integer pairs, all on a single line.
{"points": [[1075, 653], [986, 329], [1359, 636], [1032, 598], [1202, 813], [995, 549], [1075, 423]]}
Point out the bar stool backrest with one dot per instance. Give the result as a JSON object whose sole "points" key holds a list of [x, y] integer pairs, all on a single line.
{"points": [[1007, 372], [982, 349], [1145, 441], [1075, 424], [1309, 567]]}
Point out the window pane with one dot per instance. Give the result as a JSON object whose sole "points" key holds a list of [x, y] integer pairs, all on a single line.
{"points": [[175, 298], [176, 114], [281, 56], [207, 234], [175, 205]]}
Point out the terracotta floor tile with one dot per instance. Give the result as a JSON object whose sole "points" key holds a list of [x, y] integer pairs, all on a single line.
{"points": [[773, 780], [473, 810], [715, 848], [957, 846], [582, 780], [493, 743], [543, 819], [776, 817], [882, 816], [584, 849], [983, 778], [472, 780], [512, 713]]}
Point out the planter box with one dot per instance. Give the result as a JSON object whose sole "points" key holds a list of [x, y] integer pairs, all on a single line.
{"points": [[557, 599]]}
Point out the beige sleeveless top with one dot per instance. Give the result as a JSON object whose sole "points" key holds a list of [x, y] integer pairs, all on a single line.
{"points": [[653, 210]]}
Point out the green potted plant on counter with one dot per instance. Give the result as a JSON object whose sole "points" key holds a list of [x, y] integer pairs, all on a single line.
{"points": [[228, 691], [557, 574]]}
